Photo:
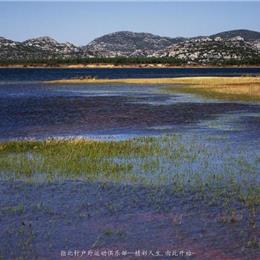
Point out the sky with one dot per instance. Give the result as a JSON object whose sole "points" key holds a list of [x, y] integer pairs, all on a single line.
{"points": [[81, 22]]}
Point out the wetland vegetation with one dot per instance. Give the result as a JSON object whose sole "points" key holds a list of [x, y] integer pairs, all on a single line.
{"points": [[189, 179], [213, 174]]}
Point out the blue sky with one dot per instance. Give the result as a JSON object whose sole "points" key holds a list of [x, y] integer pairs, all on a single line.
{"points": [[81, 22]]}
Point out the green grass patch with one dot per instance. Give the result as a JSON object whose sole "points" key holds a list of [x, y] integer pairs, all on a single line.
{"points": [[188, 164], [71, 158]]}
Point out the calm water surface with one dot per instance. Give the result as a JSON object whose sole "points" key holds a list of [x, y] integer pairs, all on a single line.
{"points": [[31, 74]]}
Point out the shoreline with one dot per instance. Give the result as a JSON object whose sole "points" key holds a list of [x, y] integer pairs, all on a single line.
{"points": [[194, 80]]}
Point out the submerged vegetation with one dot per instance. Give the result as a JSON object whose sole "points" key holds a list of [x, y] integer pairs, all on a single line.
{"points": [[186, 163], [189, 165], [71, 158]]}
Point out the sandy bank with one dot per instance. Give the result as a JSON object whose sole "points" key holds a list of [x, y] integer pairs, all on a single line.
{"points": [[220, 87]]}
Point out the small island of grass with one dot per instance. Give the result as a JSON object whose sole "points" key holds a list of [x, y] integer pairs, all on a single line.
{"points": [[234, 88]]}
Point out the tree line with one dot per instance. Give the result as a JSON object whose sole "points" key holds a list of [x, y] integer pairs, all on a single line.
{"points": [[172, 61]]}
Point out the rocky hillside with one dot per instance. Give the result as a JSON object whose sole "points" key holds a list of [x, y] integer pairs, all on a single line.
{"points": [[126, 43], [36, 48], [247, 35], [12, 50], [205, 50], [50, 45], [238, 45]]}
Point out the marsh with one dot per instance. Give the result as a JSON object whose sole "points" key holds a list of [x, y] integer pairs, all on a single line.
{"points": [[128, 167]]}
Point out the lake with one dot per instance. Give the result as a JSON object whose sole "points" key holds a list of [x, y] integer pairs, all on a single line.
{"points": [[39, 74], [32, 109]]}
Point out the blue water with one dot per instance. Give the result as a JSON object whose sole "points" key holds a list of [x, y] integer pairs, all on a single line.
{"points": [[32, 109], [31, 74]]}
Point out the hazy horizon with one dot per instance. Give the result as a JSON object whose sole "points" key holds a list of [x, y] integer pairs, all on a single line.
{"points": [[82, 22]]}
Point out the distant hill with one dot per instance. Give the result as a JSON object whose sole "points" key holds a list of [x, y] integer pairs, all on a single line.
{"points": [[236, 46], [36, 48], [125, 43], [247, 35], [13, 50], [208, 50], [50, 45]]}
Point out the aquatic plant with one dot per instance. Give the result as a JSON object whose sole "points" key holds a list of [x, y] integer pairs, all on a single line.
{"points": [[189, 164]]}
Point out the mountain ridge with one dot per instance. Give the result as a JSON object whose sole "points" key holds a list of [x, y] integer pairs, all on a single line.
{"points": [[237, 45]]}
